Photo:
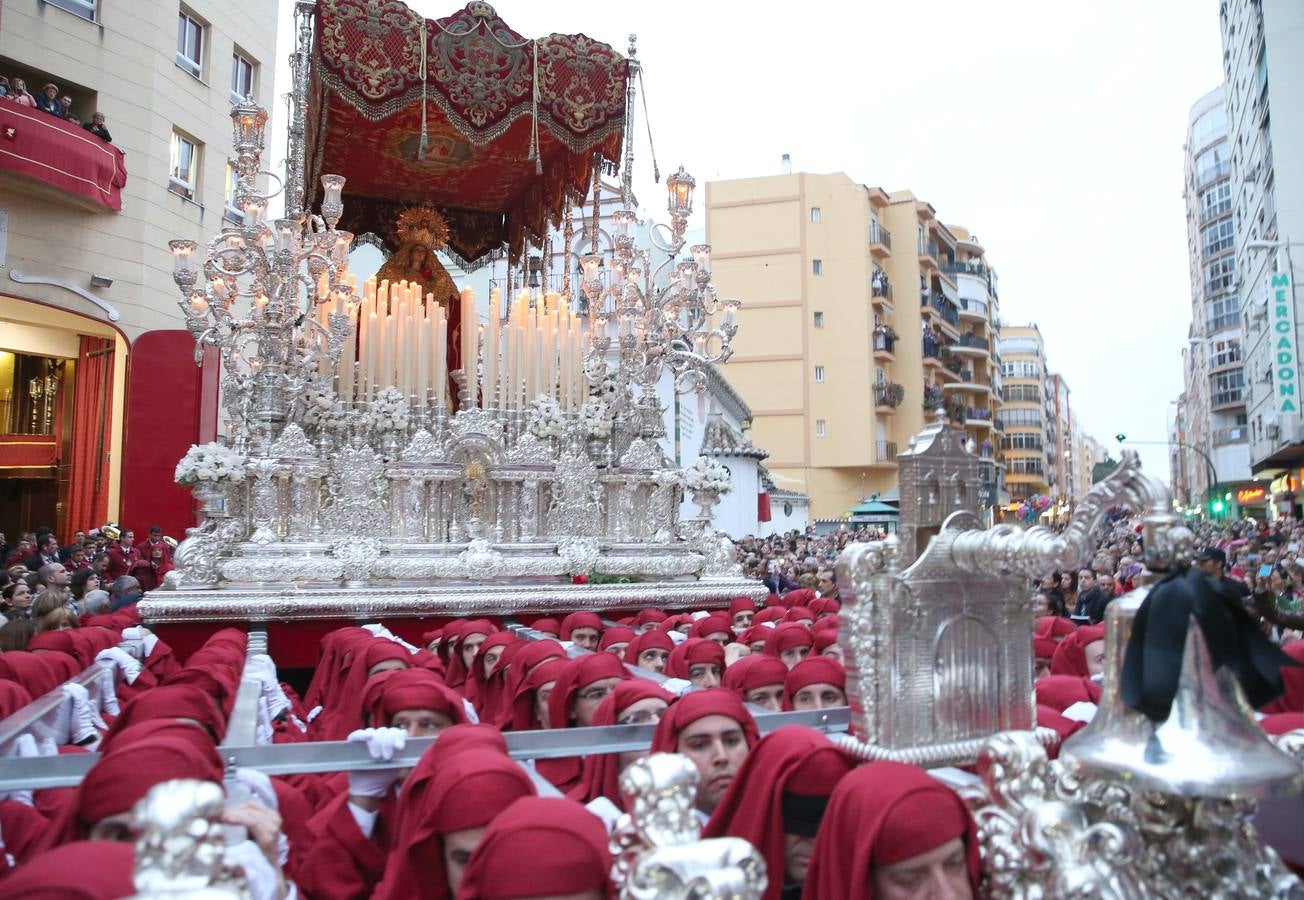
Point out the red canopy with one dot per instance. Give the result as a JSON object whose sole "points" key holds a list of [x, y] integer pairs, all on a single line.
{"points": [[369, 107]]}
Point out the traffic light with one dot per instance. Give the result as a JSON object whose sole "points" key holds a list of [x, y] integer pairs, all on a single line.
{"points": [[1217, 506]]}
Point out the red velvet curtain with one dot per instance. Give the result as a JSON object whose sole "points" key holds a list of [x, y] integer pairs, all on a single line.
{"points": [[88, 489]]}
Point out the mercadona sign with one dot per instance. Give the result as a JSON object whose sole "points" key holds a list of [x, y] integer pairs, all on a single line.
{"points": [[1285, 346]]}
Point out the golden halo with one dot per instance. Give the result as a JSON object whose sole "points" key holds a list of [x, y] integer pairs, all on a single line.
{"points": [[422, 225]]}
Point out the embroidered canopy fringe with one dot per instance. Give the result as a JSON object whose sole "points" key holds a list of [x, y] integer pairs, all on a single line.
{"points": [[413, 111]]}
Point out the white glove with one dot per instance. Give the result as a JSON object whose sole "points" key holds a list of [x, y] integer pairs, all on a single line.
{"points": [[676, 685], [263, 731], [299, 723], [139, 641], [23, 746], [468, 709], [605, 810], [262, 881], [261, 667], [700, 614], [677, 637], [382, 744], [108, 693], [259, 785], [1082, 711], [82, 720], [125, 663], [314, 713], [380, 631]]}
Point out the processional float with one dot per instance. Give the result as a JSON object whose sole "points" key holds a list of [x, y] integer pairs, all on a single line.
{"points": [[379, 436], [465, 500]]}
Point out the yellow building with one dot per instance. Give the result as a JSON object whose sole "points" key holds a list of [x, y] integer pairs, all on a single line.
{"points": [[1025, 399], [84, 263], [840, 282]]}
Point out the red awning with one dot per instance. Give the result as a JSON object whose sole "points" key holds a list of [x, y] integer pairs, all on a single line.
{"points": [[36, 145], [368, 102]]}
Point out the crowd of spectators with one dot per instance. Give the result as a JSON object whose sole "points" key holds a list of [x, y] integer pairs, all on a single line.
{"points": [[45, 587], [50, 101]]}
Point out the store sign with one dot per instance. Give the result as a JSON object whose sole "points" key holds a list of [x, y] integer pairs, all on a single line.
{"points": [[1247, 496], [1285, 344]]}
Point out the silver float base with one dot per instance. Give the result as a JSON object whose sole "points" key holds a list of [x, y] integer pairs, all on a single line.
{"points": [[448, 599]]}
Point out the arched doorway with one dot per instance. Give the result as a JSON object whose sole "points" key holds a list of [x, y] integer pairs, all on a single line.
{"points": [[62, 391]]}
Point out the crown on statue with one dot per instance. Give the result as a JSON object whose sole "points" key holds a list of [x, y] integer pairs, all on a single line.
{"points": [[422, 225]]}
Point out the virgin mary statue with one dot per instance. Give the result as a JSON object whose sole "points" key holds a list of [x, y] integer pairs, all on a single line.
{"points": [[421, 231]]}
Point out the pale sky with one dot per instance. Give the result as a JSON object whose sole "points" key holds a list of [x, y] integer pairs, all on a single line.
{"points": [[1053, 131]]}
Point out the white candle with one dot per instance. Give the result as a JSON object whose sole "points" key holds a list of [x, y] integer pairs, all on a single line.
{"points": [[348, 356], [441, 359], [491, 353]]}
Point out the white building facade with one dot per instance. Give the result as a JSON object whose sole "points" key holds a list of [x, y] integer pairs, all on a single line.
{"points": [[1263, 59]]}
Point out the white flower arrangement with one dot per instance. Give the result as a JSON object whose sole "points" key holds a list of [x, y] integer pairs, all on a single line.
{"points": [[318, 408], [708, 475], [210, 462], [545, 417], [597, 418], [389, 411]]}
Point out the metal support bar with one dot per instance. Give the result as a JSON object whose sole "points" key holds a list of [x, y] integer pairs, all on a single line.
{"points": [[242, 726], [46, 715], [338, 756]]}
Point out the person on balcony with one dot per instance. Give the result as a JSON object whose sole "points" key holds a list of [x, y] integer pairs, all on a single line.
{"points": [[20, 95], [65, 110], [49, 101], [4, 86], [96, 127]]}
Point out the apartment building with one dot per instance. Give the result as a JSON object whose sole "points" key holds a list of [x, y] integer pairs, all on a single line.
{"points": [[1215, 438], [1029, 437], [1061, 432], [1263, 71], [88, 307], [852, 329]]}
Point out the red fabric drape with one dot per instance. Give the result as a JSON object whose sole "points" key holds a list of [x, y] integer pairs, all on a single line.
{"points": [[88, 489], [38, 146], [763, 507]]}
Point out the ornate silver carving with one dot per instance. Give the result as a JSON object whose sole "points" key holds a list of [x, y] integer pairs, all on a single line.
{"points": [[179, 850], [1036, 841], [293, 443], [658, 848], [720, 559]]}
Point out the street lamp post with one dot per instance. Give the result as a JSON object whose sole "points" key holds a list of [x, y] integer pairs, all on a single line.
{"points": [[1212, 474]]}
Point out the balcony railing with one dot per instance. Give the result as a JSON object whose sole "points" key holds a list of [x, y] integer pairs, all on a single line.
{"points": [[977, 412], [974, 340], [974, 306], [1227, 398], [889, 394], [932, 347], [940, 302], [880, 235], [965, 268], [928, 248], [885, 451], [1223, 436], [41, 148], [884, 342], [880, 287]]}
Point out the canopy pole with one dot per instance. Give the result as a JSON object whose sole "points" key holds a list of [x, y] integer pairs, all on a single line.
{"points": [[296, 151]]}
